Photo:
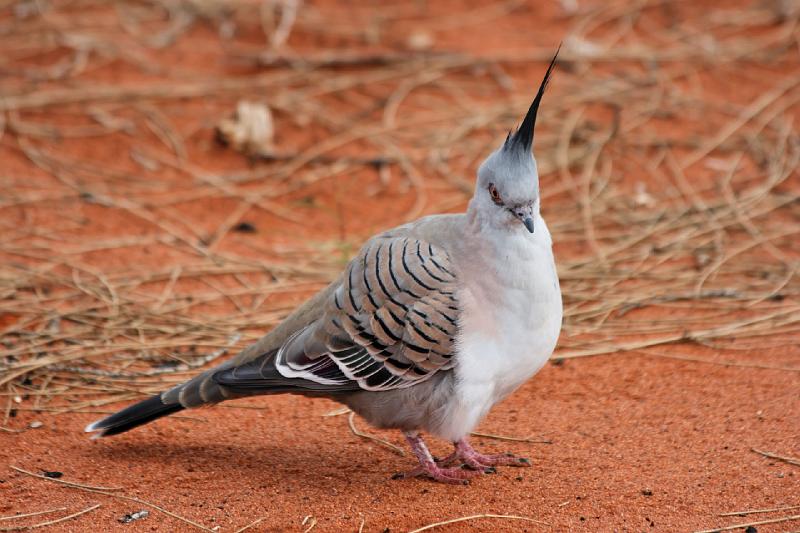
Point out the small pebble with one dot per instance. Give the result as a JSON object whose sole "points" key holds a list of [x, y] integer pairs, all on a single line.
{"points": [[647, 492], [419, 41], [35, 424], [52, 474], [244, 227], [130, 517]]}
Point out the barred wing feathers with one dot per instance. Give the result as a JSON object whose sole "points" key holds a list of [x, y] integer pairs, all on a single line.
{"points": [[391, 323]]}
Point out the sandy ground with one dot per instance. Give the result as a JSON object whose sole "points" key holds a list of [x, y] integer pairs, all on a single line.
{"points": [[637, 445], [634, 441]]}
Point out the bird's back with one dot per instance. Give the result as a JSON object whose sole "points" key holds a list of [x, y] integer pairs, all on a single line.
{"points": [[438, 230]]}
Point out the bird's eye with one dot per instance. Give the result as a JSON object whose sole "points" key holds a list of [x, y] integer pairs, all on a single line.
{"points": [[494, 194]]}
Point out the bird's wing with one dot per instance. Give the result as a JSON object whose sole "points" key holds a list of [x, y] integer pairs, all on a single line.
{"points": [[390, 323]]}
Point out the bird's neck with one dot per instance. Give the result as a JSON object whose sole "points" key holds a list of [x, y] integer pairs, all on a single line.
{"points": [[499, 246], [508, 266]]}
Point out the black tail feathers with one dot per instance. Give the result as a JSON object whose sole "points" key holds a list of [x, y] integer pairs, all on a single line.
{"points": [[133, 416]]}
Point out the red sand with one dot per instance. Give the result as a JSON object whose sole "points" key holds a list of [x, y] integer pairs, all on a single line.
{"points": [[639, 443]]}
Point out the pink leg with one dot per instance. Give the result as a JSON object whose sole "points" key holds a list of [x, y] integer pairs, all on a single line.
{"points": [[428, 467], [467, 454]]}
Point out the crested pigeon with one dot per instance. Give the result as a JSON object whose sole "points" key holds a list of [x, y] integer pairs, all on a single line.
{"points": [[430, 324]]}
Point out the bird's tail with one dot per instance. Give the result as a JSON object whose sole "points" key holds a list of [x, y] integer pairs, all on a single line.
{"points": [[201, 390], [133, 416], [224, 382]]}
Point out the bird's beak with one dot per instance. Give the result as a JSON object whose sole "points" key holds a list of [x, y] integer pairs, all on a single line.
{"points": [[528, 221], [525, 215]]}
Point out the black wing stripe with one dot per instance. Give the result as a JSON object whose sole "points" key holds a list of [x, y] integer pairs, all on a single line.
{"points": [[388, 332], [369, 370], [350, 289], [421, 333], [395, 317], [425, 268], [336, 301], [392, 274], [415, 348], [371, 299], [347, 353], [379, 378], [411, 274], [448, 318], [391, 270], [434, 324], [354, 361], [330, 371], [419, 371], [399, 364], [437, 264], [380, 280]]}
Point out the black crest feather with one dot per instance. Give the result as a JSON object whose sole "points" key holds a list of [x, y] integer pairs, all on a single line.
{"points": [[523, 137]]}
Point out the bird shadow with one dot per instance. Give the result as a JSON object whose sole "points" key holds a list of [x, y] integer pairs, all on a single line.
{"points": [[269, 464]]}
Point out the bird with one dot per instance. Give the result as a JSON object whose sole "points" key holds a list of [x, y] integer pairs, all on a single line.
{"points": [[428, 326]]}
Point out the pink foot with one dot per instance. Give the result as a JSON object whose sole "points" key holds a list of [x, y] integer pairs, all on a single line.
{"points": [[428, 467], [471, 458], [455, 476]]}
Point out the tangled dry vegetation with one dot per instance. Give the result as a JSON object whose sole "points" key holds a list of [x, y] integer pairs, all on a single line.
{"points": [[675, 208]]}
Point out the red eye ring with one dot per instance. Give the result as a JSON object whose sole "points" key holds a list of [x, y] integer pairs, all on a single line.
{"points": [[494, 194]]}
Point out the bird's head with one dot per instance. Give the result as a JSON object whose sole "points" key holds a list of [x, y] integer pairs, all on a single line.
{"points": [[507, 191]]}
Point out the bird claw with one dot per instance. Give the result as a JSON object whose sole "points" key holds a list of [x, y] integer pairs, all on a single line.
{"points": [[499, 460], [458, 467], [453, 476], [471, 458]]}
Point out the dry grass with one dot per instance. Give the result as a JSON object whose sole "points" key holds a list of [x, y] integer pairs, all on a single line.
{"points": [[108, 493], [50, 522], [710, 256]]}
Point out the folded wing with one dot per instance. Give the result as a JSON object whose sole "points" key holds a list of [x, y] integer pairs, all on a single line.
{"points": [[391, 323]]}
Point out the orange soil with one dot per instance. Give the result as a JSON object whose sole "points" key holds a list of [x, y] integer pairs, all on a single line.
{"points": [[639, 443]]}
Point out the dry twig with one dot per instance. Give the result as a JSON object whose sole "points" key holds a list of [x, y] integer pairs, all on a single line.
{"points": [[351, 422], [477, 517], [51, 522], [790, 460]]}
